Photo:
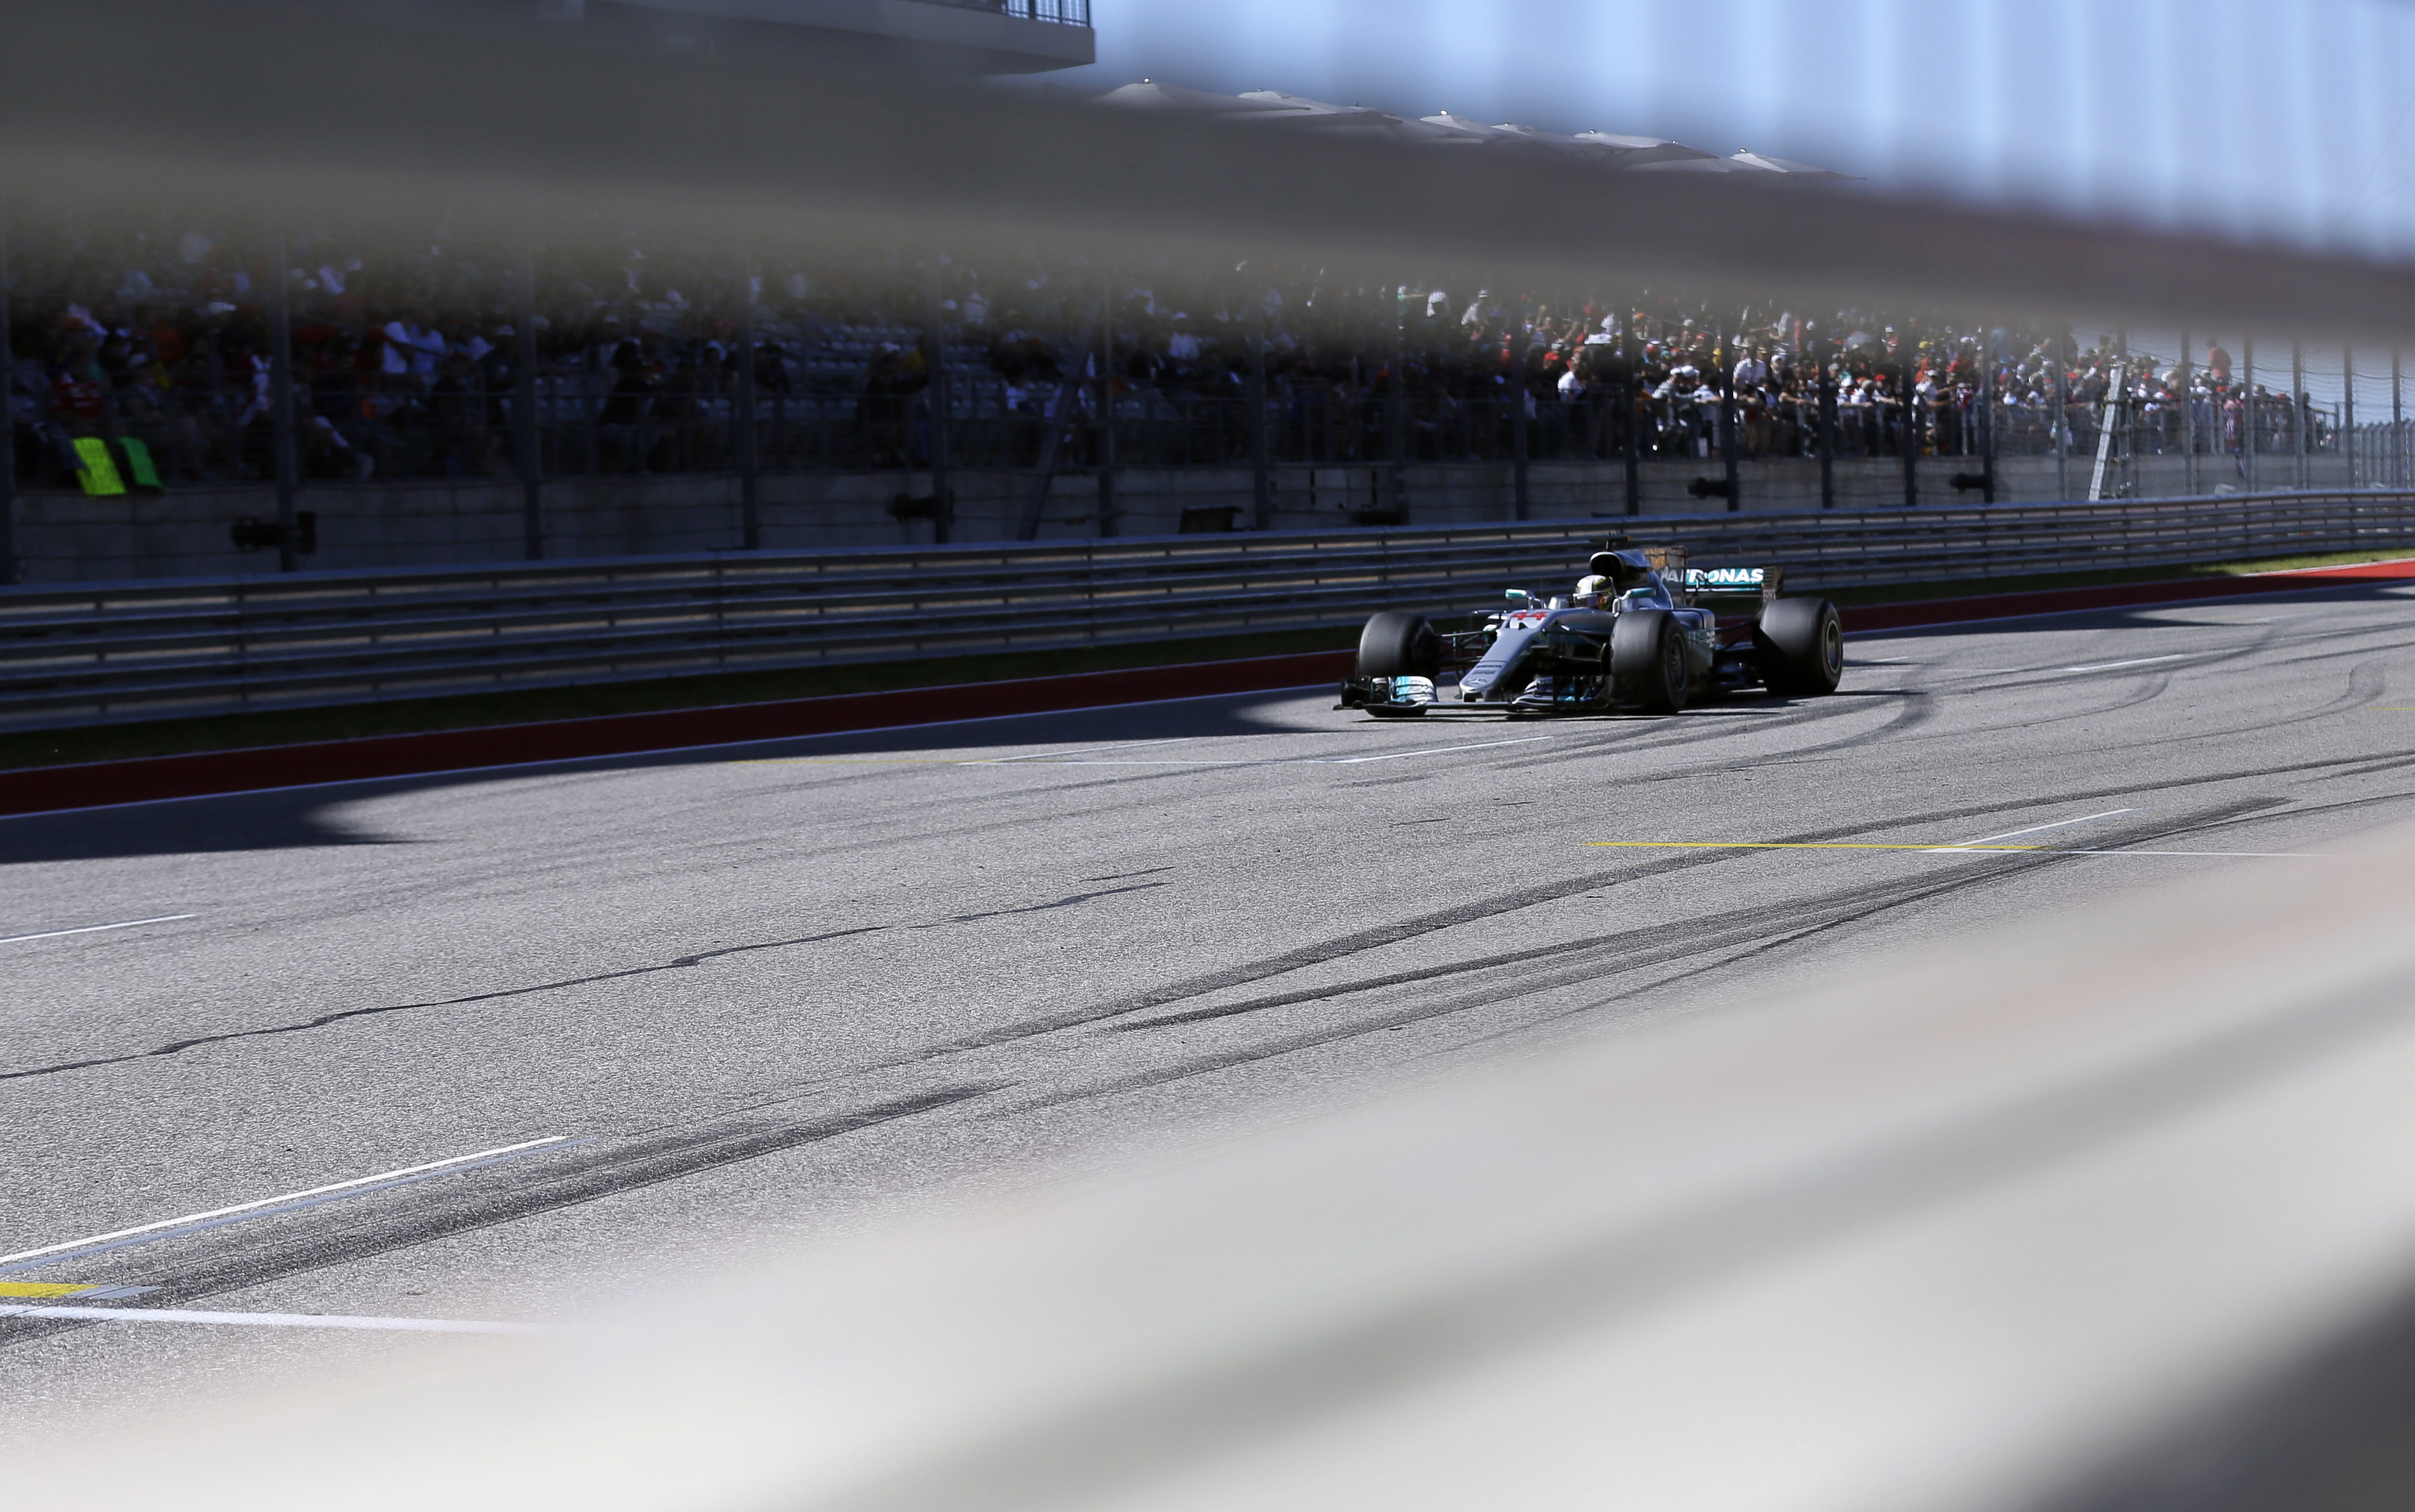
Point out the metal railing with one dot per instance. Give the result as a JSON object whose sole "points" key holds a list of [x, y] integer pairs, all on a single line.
{"points": [[1063, 12], [155, 650]]}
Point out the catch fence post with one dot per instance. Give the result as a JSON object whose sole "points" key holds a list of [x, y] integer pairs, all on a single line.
{"points": [[1728, 418], [1518, 409], [936, 405], [2125, 372], [2348, 408], [1396, 408], [280, 403], [1828, 433], [2247, 415], [750, 462], [1909, 431], [1106, 406], [2061, 426], [10, 568], [524, 391], [1631, 450], [1262, 487], [1987, 415], [2397, 428], [2188, 420], [2298, 410]]}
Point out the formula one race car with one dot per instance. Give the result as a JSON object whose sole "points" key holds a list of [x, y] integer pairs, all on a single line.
{"points": [[1631, 638]]}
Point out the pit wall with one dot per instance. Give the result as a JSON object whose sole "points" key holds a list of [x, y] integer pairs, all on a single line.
{"points": [[67, 537]]}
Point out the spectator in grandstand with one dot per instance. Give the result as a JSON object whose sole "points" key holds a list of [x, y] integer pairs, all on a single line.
{"points": [[464, 443], [412, 349], [628, 406]]}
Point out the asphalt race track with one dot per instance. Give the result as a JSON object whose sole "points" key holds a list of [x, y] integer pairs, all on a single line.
{"points": [[602, 1029]]}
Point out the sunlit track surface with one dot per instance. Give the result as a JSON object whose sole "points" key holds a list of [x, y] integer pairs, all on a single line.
{"points": [[769, 990]]}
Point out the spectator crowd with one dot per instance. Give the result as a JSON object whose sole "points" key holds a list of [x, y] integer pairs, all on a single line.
{"points": [[407, 364]]}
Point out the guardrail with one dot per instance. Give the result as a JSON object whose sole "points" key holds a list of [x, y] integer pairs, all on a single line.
{"points": [[97, 652]]}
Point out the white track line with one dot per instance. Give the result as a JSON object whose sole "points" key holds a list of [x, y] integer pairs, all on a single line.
{"points": [[2058, 824], [93, 929], [267, 1320], [408, 1170], [2260, 855], [1088, 750], [1267, 761], [2036, 671], [2108, 667], [1433, 750]]}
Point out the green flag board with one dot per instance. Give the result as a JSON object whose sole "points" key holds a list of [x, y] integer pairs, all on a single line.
{"points": [[139, 469], [99, 474]]}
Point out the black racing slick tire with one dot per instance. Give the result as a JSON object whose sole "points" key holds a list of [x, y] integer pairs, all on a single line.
{"points": [[1647, 662], [1397, 643], [1801, 645]]}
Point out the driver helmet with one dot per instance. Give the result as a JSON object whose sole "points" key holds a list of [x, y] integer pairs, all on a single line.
{"points": [[1593, 591]]}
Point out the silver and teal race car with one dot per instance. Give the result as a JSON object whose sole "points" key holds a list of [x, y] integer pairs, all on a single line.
{"points": [[1634, 637]]}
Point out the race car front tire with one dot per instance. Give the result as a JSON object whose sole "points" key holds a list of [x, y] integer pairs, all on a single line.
{"points": [[1801, 647], [1647, 662], [1397, 643]]}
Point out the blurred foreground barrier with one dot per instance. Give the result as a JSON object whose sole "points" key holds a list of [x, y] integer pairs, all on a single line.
{"points": [[94, 652], [2109, 1214]]}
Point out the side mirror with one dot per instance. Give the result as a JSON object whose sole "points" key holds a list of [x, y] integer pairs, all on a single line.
{"points": [[1515, 595]]}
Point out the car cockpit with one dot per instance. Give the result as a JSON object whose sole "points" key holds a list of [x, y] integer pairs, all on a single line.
{"points": [[1621, 581]]}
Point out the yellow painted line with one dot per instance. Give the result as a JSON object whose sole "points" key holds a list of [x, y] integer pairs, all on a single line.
{"points": [[1791, 844], [44, 1288]]}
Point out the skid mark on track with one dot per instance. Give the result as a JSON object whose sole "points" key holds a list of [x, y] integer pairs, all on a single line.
{"points": [[2121, 693], [2365, 682], [1040, 907], [2256, 647], [1736, 935], [1581, 962], [1643, 945], [2297, 809], [179, 1046], [175, 1047], [1361, 941], [1918, 707], [2318, 652], [1671, 731], [1716, 927], [568, 1182]]}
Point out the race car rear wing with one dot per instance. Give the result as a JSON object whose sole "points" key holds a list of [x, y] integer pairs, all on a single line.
{"points": [[1691, 582], [1765, 583]]}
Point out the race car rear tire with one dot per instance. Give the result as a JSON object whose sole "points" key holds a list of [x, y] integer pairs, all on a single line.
{"points": [[1397, 643], [1647, 662], [1801, 644]]}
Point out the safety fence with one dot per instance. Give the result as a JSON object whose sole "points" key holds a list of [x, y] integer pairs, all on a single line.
{"points": [[156, 650]]}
